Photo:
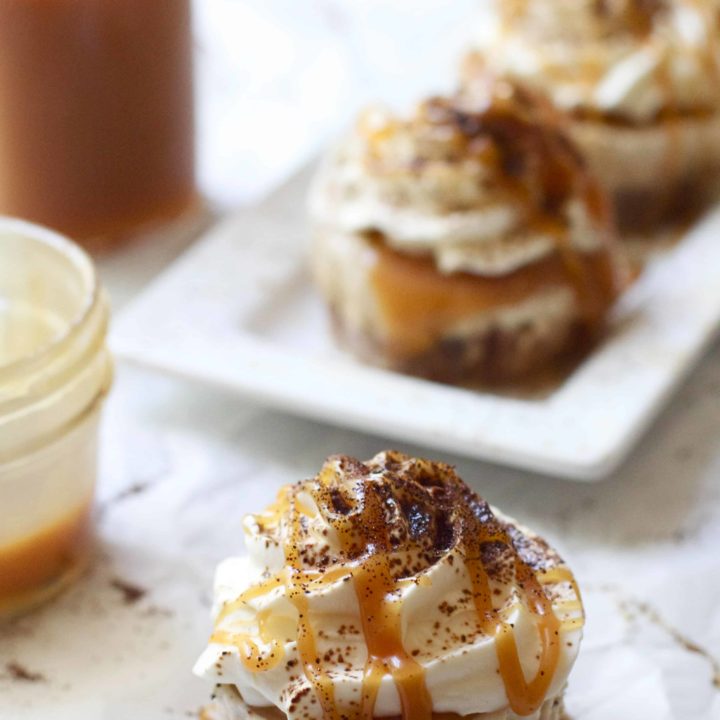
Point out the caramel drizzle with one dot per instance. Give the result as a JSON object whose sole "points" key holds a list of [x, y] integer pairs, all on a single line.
{"points": [[380, 600], [593, 291], [561, 574], [524, 125], [525, 696], [380, 609], [306, 644], [565, 177]]}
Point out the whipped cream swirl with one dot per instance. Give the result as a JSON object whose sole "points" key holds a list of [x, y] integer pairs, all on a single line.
{"points": [[388, 588], [485, 181], [628, 60]]}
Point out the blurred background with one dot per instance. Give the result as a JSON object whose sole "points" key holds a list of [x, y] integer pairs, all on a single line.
{"points": [[276, 78]]}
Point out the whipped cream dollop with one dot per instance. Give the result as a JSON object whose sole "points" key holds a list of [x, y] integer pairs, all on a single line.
{"points": [[388, 588], [631, 60], [486, 181]]}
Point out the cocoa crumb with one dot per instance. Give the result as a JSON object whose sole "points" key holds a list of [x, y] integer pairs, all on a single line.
{"points": [[19, 672], [130, 593]]}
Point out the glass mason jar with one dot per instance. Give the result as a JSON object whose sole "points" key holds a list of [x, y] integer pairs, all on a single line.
{"points": [[96, 114], [55, 371]]}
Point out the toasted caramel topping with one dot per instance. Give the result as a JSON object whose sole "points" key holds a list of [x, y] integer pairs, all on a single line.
{"points": [[498, 136], [392, 519]]}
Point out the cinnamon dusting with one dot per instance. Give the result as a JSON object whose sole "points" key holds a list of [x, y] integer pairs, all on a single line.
{"points": [[130, 592], [20, 673], [395, 518]]}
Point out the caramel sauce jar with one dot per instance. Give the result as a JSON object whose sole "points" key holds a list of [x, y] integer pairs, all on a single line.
{"points": [[96, 114], [55, 371]]}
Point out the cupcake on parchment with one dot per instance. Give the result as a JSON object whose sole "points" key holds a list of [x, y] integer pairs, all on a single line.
{"points": [[640, 80], [389, 589], [467, 242]]}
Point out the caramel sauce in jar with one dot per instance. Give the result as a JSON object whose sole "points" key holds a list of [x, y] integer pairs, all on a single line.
{"points": [[55, 372], [36, 566], [96, 113]]}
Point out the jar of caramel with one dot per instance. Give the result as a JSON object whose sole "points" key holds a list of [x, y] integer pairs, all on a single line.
{"points": [[55, 371], [96, 114]]}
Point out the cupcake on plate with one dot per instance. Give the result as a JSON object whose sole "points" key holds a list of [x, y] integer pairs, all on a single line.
{"points": [[390, 589], [641, 82], [467, 242]]}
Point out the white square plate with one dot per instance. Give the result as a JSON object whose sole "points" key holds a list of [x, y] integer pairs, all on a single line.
{"points": [[238, 310]]}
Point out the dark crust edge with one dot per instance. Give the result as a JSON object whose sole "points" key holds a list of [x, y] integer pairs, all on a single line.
{"points": [[492, 357], [234, 708]]}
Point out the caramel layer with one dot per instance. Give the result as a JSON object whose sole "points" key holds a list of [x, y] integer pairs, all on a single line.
{"points": [[40, 560], [419, 303], [96, 120]]}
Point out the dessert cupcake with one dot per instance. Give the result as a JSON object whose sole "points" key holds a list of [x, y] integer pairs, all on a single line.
{"points": [[640, 80], [465, 243], [390, 589]]}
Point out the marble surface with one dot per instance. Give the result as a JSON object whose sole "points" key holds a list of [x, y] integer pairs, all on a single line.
{"points": [[277, 78], [181, 463]]}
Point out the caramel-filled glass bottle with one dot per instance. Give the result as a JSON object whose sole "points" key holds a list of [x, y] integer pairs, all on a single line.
{"points": [[96, 114]]}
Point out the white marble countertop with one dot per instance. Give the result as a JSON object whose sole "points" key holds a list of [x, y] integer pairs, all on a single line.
{"points": [[181, 463]]}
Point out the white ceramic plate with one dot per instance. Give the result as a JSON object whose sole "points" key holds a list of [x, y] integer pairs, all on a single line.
{"points": [[238, 310]]}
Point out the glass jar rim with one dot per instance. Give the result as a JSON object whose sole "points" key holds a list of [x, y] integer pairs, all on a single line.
{"points": [[81, 262]]}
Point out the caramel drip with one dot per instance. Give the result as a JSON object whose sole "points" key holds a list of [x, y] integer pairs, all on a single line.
{"points": [[566, 177], [381, 617], [296, 592], [259, 590], [358, 502], [252, 655], [592, 276], [539, 172], [524, 697], [560, 574], [380, 610], [310, 579], [296, 583]]}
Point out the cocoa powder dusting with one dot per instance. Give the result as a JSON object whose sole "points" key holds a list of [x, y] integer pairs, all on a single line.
{"points": [[17, 672], [131, 593]]}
